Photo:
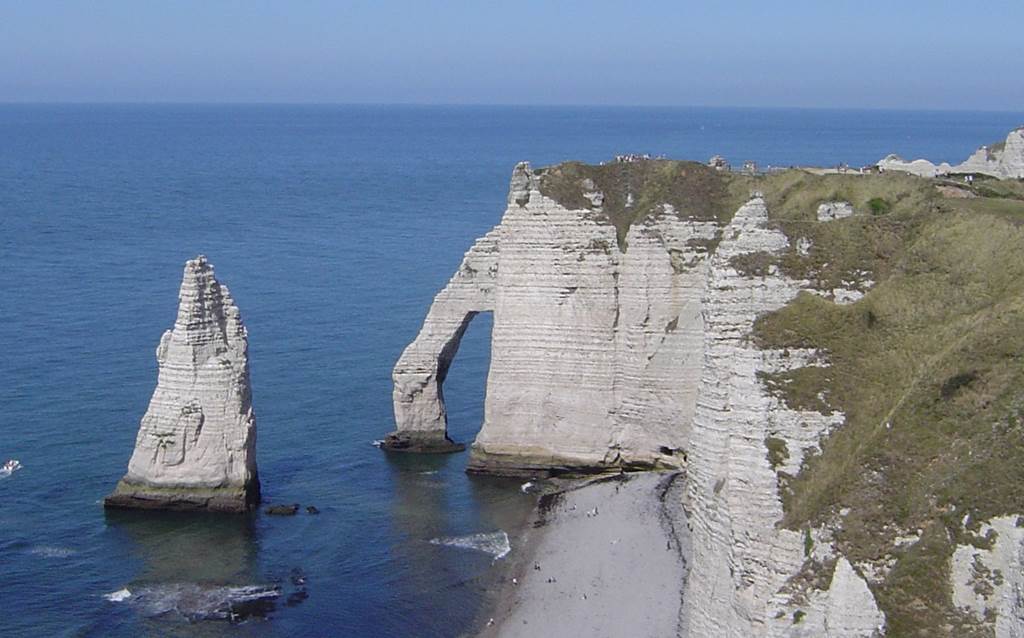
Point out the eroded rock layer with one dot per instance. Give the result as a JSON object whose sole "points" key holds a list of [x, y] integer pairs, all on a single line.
{"points": [[770, 358], [596, 347], [196, 445], [745, 570]]}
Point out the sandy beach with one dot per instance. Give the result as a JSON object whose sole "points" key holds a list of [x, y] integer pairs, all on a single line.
{"points": [[604, 558]]}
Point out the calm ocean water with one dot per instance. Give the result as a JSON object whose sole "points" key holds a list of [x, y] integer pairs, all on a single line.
{"points": [[334, 227]]}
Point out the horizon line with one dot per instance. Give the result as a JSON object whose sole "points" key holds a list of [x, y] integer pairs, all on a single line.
{"points": [[227, 103]]}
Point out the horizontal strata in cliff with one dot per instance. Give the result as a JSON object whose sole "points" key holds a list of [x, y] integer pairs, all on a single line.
{"points": [[594, 276], [645, 316], [196, 445], [1004, 160]]}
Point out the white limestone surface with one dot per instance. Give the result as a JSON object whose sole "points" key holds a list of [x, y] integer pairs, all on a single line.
{"points": [[595, 349], [196, 445], [1004, 160], [742, 558], [641, 356], [989, 583], [829, 211], [420, 372]]}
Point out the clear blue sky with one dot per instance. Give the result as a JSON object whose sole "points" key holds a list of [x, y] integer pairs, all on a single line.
{"points": [[830, 53]]}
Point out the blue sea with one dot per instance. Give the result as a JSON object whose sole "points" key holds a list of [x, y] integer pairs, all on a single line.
{"points": [[334, 226]]}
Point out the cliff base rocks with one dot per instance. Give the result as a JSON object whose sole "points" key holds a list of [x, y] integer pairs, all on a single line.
{"points": [[216, 499], [421, 443]]}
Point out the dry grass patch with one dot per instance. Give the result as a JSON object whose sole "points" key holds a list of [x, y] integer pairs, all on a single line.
{"points": [[928, 368]]}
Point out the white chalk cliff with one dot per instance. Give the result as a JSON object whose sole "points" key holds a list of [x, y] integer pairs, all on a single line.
{"points": [[1004, 160], [196, 445], [743, 561], [621, 329], [638, 355]]}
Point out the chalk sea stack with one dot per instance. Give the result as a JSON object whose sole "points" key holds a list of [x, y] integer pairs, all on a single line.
{"points": [[196, 447]]}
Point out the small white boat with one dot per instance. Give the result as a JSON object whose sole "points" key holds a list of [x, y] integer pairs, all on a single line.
{"points": [[10, 467]]}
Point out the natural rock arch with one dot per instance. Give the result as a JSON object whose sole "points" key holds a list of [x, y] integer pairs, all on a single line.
{"points": [[420, 414], [595, 352]]}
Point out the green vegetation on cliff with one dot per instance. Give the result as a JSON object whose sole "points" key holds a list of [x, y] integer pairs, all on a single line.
{"points": [[634, 190], [928, 368]]}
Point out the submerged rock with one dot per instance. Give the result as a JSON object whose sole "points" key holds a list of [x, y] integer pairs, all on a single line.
{"points": [[194, 602], [283, 510], [196, 446]]}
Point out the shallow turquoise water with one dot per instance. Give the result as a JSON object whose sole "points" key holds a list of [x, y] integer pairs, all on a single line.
{"points": [[334, 227]]}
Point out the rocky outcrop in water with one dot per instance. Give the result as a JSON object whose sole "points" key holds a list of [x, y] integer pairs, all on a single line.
{"points": [[1004, 160], [196, 445]]}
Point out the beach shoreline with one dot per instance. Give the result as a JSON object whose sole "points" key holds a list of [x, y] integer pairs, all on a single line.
{"points": [[603, 556]]}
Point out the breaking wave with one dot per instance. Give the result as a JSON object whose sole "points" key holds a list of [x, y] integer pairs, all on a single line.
{"points": [[10, 467], [118, 596], [494, 543], [200, 602]]}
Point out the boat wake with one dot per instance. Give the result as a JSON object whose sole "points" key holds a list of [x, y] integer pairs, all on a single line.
{"points": [[494, 543]]}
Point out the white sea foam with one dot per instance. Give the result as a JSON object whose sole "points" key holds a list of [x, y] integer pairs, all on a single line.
{"points": [[199, 602], [428, 472], [377, 442], [118, 596], [9, 468], [494, 543], [50, 551]]}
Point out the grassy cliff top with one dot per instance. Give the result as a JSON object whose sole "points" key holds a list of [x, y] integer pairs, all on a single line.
{"points": [[928, 368], [634, 190]]}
